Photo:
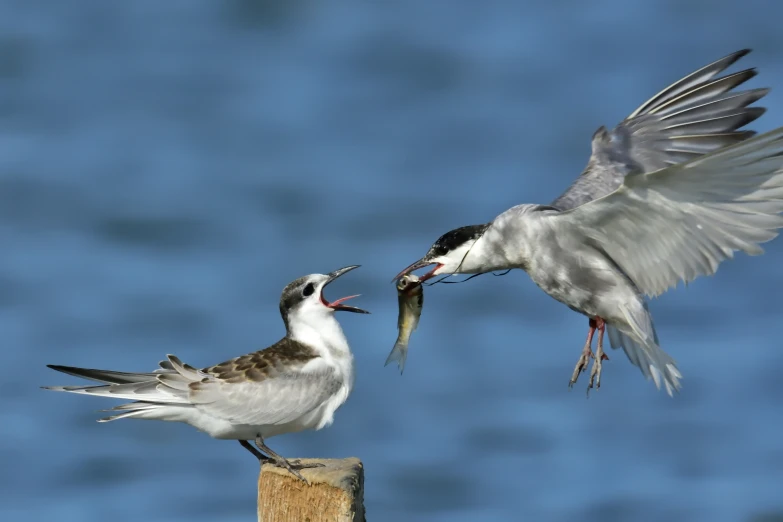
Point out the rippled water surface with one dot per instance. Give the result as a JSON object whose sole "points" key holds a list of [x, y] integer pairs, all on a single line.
{"points": [[167, 167]]}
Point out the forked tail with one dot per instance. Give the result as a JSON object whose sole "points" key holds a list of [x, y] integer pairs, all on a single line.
{"points": [[153, 392], [640, 342]]}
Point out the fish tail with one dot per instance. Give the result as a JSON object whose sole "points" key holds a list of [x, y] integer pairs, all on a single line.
{"points": [[398, 353]]}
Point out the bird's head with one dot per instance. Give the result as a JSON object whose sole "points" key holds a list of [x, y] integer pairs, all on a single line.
{"points": [[450, 254], [304, 297]]}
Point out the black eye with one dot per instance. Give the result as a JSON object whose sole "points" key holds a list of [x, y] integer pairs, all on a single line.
{"points": [[308, 290]]}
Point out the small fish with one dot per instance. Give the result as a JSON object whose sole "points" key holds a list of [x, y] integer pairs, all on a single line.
{"points": [[410, 295]]}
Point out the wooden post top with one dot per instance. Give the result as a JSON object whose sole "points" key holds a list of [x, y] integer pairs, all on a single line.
{"points": [[335, 493]]}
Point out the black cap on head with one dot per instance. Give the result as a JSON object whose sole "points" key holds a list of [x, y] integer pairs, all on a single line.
{"points": [[446, 243], [454, 238]]}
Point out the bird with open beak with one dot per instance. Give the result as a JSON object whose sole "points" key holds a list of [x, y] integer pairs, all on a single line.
{"points": [[667, 195], [292, 385]]}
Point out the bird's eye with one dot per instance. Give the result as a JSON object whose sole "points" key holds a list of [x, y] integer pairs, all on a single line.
{"points": [[308, 290]]}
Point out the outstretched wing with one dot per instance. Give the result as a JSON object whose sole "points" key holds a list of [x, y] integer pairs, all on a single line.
{"points": [[681, 222], [694, 116]]}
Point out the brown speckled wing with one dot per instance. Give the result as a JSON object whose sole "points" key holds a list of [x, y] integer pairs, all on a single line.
{"points": [[270, 362], [266, 387]]}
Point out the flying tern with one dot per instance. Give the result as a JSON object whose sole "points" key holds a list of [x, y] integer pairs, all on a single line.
{"points": [[667, 195]]}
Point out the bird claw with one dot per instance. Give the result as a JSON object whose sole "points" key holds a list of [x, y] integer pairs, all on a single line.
{"points": [[298, 464], [280, 461], [293, 466], [587, 353], [291, 469], [595, 371], [581, 365]]}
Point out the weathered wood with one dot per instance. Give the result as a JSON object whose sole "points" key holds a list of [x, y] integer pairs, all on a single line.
{"points": [[335, 493]]}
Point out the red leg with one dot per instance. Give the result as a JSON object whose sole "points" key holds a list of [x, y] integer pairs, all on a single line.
{"points": [[601, 325], [587, 353], [600, 356]]}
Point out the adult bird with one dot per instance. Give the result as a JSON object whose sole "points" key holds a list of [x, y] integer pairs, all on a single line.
{"points": [[293, 385], [668, 194]]}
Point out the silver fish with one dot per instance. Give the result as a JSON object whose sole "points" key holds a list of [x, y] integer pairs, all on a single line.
{"points": [[410, 295]]}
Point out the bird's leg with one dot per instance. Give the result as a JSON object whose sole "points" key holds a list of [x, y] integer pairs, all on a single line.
{"points": [[260, 456], [280, 461], [587, 353], [600, 356]]}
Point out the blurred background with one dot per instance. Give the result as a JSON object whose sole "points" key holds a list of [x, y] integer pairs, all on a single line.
{"points": [[166, 167]]}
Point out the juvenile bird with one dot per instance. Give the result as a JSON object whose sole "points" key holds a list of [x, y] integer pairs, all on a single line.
{"points": [[293, 385]]}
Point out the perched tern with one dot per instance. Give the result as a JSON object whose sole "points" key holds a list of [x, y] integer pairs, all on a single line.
{"points": [[666, 196], [293, 385]]}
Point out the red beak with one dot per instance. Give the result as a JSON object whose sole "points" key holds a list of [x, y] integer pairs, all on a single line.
{"points": [[337, 304], [421, 263]]}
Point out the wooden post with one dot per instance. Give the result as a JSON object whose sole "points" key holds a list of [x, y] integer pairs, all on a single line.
{"points": [[335, 493]]}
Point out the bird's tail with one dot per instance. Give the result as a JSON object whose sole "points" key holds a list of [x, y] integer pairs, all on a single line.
{"points": [[162, 388], [640, 342], [697, 114]]}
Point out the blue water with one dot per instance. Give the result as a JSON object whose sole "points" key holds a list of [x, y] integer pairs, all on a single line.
{"points": [[166, 167]]}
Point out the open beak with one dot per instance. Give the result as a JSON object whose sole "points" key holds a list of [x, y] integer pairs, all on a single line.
{"points": [[421, 263], [337, 305]]}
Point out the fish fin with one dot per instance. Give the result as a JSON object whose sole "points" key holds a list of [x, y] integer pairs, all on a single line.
{"points": [[398, 353]]}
